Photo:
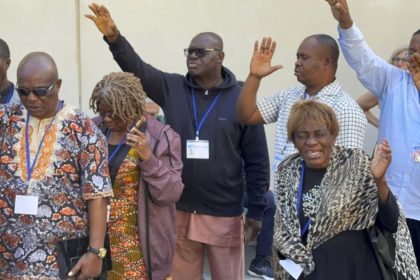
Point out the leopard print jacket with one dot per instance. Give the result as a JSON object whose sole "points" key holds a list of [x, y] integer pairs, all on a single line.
{"points": [[348, 201]]}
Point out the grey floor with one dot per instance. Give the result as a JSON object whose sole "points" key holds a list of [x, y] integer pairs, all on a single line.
{"points": [[249, 255]]}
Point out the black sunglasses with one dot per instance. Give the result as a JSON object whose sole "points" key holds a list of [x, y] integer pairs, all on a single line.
{"points": [[38, 91], [200, 52]]}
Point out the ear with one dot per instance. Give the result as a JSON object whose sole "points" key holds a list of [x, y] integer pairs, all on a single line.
{"points": [[8, 61], [58, 84], [327, 61], [221, 57]]}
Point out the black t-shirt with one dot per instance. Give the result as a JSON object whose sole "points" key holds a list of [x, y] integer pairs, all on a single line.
{"points": [[346, 256], [311, 182]]}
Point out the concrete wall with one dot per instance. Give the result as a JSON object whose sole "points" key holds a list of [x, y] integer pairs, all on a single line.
{"points": [[160, 29]]}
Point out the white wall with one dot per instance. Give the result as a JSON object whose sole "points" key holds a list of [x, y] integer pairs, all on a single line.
{"points": [[49, 26], [160, 29]]}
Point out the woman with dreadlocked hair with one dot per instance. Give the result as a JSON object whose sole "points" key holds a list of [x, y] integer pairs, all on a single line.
{"points": [[145, 169]]}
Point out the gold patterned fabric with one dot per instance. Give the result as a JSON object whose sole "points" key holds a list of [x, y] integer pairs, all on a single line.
{"points": [[71, 168], [127, 259]]}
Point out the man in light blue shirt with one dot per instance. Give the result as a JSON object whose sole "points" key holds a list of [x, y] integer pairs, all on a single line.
{"points": [[398, 93]]}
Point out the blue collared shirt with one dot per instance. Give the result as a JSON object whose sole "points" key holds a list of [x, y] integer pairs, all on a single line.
{"points": [[399, 100]]}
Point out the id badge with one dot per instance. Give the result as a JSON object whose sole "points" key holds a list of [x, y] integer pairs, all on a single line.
{"points": [[294, 269], [416, 154], [26, 204], [198, 149]]}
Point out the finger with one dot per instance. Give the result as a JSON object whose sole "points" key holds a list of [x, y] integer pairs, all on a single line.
{"points": [[91, 7], [132, 139], [263, 42], [276, 67], [105, 10], [273, 48], [75, 270], [331, 2], [255, 46], [268, 45], [92, 18], [411, 69], [101, 10], [94, 8], [415, 59], [135, 131]]}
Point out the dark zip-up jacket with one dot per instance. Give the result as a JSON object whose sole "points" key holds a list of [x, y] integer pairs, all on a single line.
{"points": [[214, 186]]}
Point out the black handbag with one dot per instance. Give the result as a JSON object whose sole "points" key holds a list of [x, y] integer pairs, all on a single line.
{"points": [[71, 250], [383, 244]]}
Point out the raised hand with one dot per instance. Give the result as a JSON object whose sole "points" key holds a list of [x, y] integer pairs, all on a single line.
{"points": [[381, 160], [414, 69], [261, 58], [341, 13], [103, 21]]}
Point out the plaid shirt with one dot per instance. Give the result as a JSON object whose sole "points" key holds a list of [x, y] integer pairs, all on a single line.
{"points": [[276, 108]]}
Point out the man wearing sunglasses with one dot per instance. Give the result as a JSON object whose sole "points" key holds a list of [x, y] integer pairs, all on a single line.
{"points": [[8, 93], [54, 178], [216, 151]]}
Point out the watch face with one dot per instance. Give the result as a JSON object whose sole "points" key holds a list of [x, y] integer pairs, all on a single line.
{"points": [[102, 253]]}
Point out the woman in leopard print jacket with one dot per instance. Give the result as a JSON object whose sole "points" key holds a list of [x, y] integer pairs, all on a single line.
{"points": [[328, 198]]}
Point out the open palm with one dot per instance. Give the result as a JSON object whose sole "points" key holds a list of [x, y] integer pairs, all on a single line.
{"points": [[381, 160], [103, 20], [261, 58]]}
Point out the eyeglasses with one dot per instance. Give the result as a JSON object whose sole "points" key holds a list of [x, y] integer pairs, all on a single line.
{"points": [[38, 91], [400, 59], [199, 52]]}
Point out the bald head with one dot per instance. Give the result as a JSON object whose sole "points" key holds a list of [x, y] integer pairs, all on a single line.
{"points": [[38, 84], [328, 46], [218, 42], [37, 62]]}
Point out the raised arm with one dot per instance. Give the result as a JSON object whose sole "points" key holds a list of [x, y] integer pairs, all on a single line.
{"points": [[367, 101], [103, 21], [341, 13], [246, 109], [380, 162], [388, 207], [153, 79]]}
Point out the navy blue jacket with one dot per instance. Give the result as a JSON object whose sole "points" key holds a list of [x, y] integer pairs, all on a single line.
{"points": [[214, 186]]}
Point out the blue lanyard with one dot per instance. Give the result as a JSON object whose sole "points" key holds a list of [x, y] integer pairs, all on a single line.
{"points": [[304, 95], [10, 94], [30, 167], [299, 196], [122, 141], [199, 125]]}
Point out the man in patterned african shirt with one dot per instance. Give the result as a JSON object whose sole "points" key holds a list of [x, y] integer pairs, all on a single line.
{"points": [[53, 171]]}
